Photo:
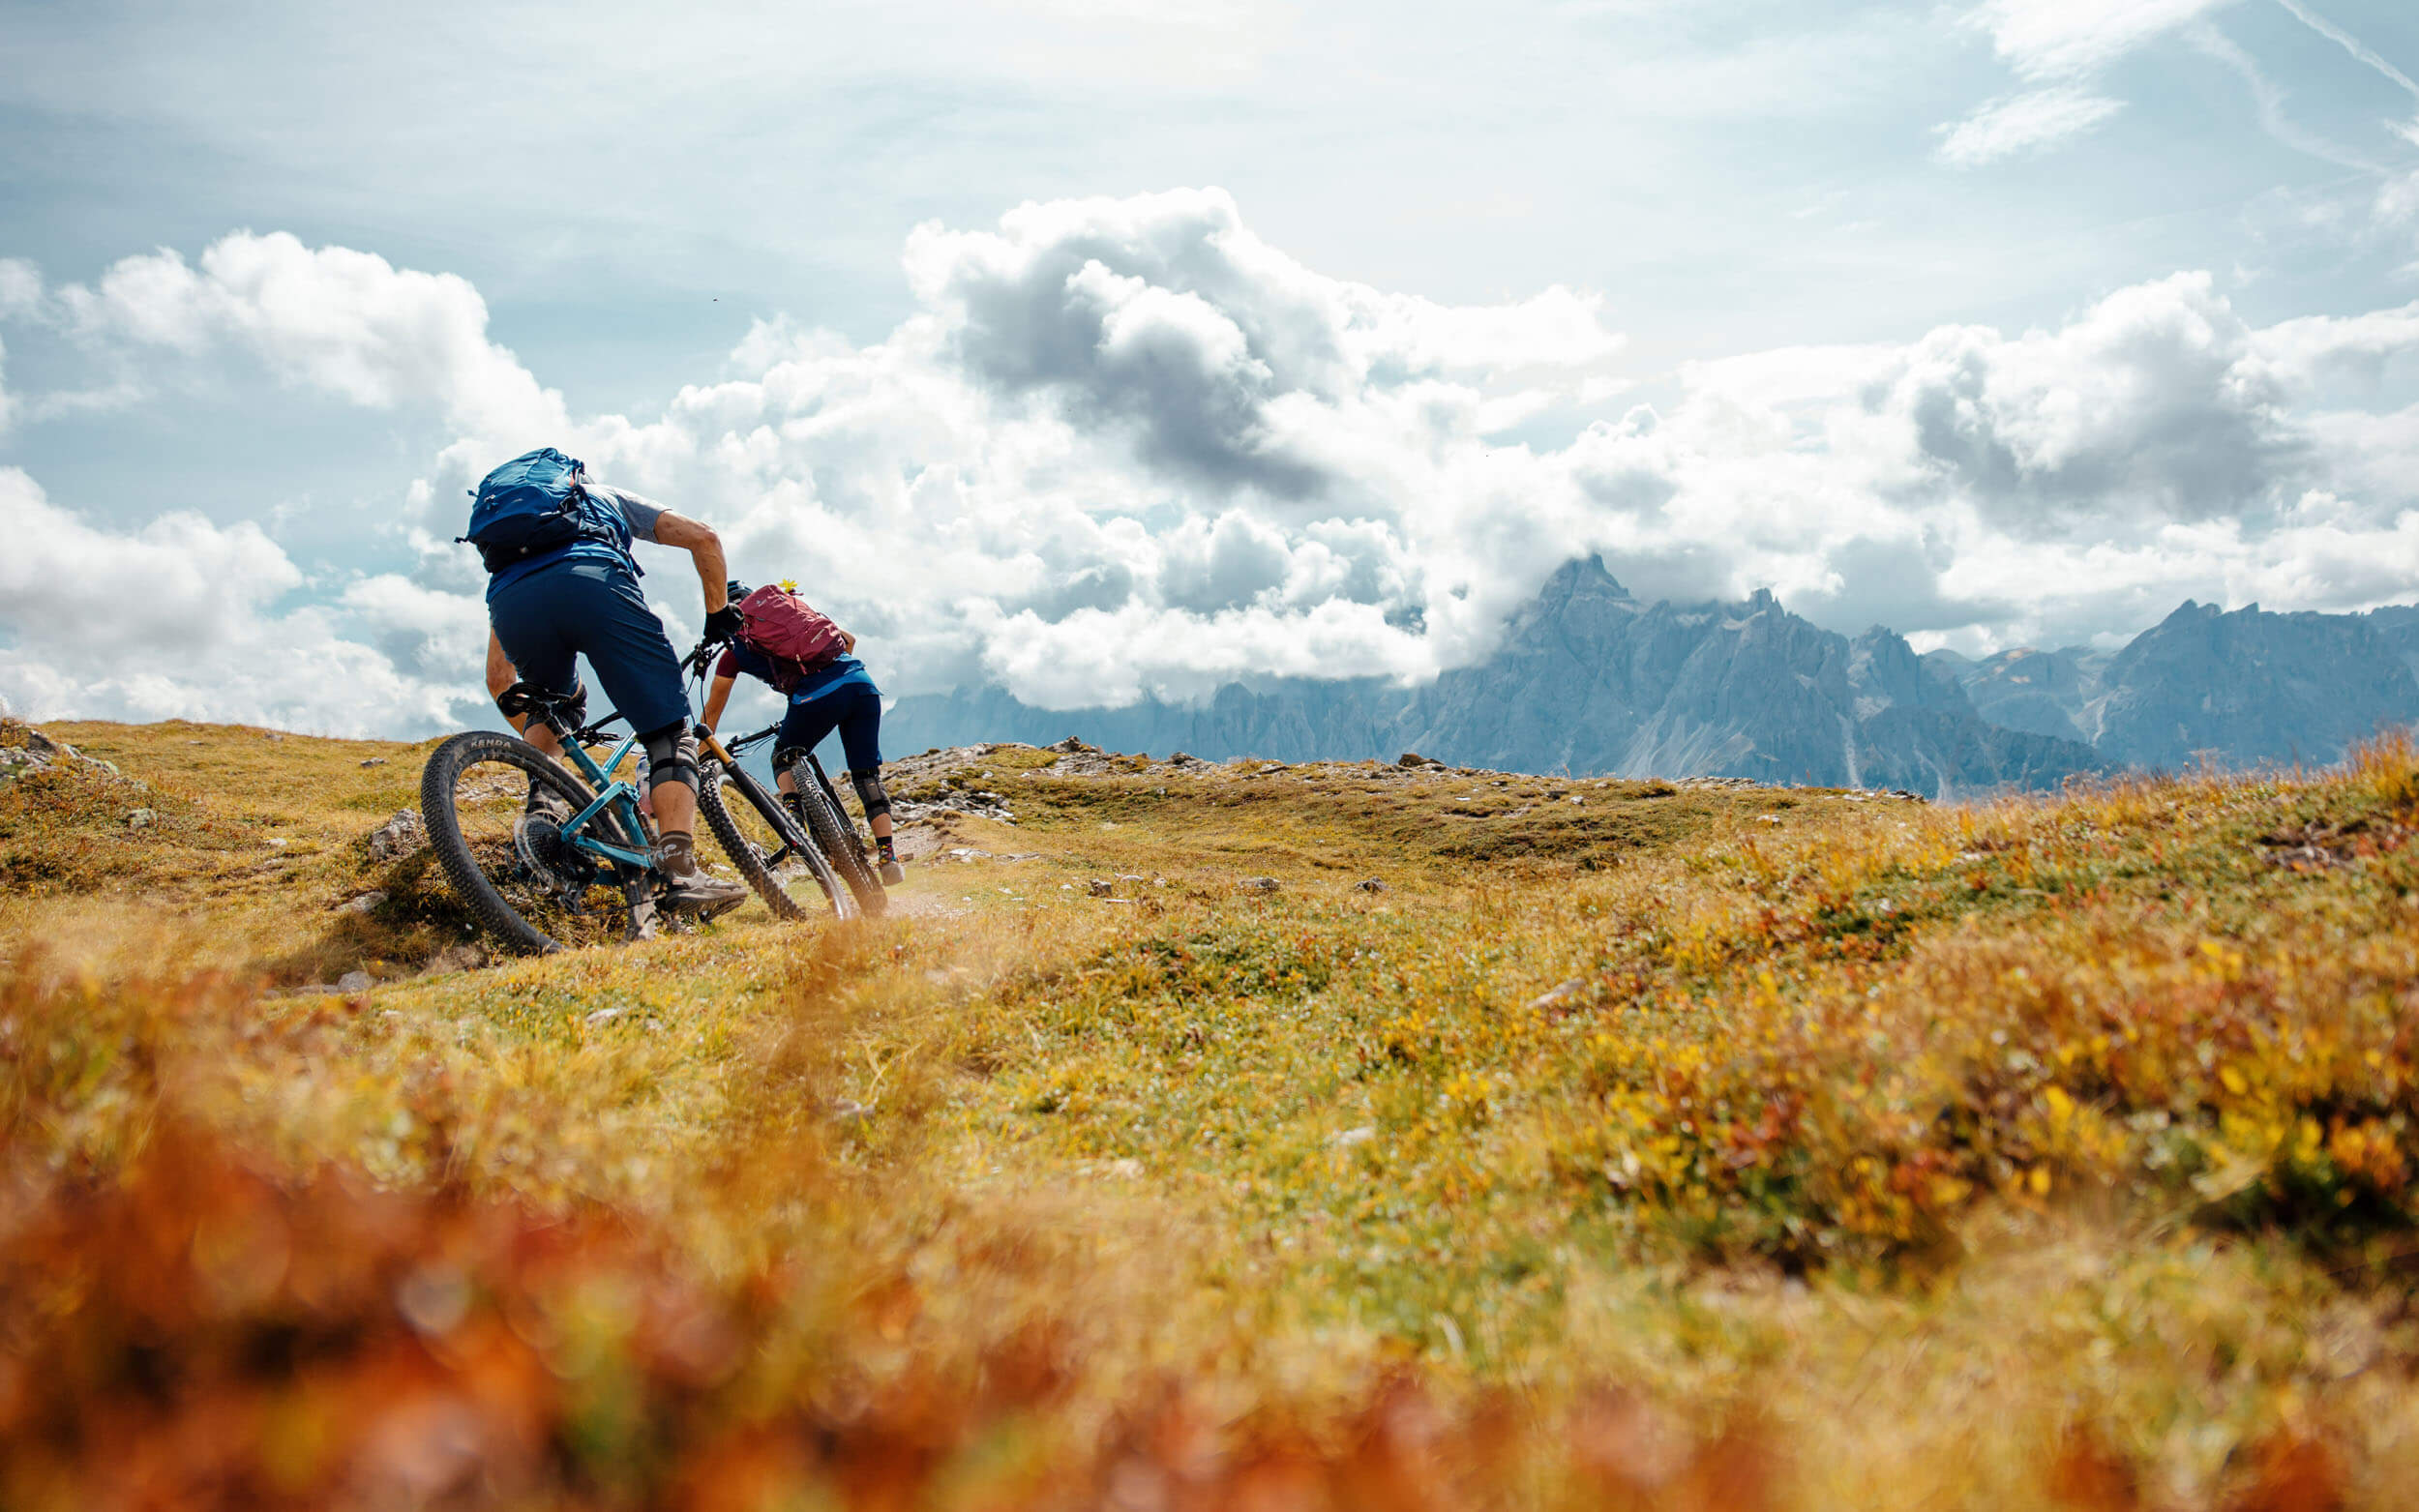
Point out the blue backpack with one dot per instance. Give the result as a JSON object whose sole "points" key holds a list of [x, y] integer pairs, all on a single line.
{"points": [[534, 505]]}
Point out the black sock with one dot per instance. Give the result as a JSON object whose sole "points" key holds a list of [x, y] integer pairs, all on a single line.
{"points": [[881, 845]]}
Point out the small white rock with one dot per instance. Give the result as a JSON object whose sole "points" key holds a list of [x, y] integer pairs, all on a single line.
{"points": [[1559, 993], [353, 981]]}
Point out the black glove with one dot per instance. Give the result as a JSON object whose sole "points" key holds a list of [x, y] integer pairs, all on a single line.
{"points": [[724, 624]]}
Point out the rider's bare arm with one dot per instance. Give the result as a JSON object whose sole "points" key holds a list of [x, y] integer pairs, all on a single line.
{"points": [[715, 697], [698, 540]]}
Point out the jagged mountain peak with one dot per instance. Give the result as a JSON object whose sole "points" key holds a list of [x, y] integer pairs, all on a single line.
{"points": [[1587, 678]]}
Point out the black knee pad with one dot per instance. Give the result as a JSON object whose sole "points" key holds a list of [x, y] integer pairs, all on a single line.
{"points": [[869, 792], [671, 756]]}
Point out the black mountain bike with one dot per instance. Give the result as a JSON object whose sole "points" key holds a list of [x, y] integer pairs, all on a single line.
{"points": [[771, 849], [836, 851]]}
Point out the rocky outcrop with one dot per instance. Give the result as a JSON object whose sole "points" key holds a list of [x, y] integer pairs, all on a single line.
{"points": [[26, 751]]}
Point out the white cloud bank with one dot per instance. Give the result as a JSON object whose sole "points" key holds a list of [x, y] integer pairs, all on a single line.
{"points": [[1128, 447]]}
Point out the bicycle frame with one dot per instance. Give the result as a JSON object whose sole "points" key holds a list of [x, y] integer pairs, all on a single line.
{"points": [[611, 791]]}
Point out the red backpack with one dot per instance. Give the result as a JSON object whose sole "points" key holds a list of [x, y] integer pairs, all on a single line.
{"points": [[788, 633]]}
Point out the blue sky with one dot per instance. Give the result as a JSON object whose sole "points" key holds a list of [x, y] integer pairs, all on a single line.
{"points": [[1097, 354]]}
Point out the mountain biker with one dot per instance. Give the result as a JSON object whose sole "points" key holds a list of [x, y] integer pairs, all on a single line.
{"points": [[838, 695], [560, 600]]}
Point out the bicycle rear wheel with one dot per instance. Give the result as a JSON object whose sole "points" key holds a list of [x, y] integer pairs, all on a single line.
{"points": [[765, 843], [518, 878], [837, 838]]}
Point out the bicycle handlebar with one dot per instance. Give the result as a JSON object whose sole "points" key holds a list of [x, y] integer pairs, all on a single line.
{"points": [[695, 662]]}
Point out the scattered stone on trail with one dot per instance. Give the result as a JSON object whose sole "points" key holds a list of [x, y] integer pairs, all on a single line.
{"points": [[272, 736], [1259, 885], [402, 836], [353, 981], [1557, 995], [1129, 1168], [1100, 886], [141, 818], [972, 805], [469, 956], [1414, 760], [1182, 759], [1768, 819], [374, 761], [1070, 746], [2319, 847], [365, 903], [607, 1015], [1368, 884], [1346, 1139]]}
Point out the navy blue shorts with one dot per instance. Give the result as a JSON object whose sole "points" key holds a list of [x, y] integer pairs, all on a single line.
{"points": [[592, 609], [852, 708]]}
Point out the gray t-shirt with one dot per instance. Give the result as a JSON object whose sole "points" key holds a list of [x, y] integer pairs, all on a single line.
{"points": [[641, 513]]}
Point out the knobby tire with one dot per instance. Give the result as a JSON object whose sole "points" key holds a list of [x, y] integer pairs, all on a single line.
{"points": [[437, 780], [836, 837], [711, 803]]}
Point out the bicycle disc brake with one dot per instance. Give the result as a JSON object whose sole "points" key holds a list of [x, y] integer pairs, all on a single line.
{"points": [[560, 867]]}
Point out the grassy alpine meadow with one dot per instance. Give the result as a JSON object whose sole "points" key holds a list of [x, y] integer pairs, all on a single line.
{"points": [[1331, 1135]]}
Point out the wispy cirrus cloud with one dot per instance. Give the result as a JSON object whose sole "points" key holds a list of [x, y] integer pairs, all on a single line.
{"points": [[2062, 46], [2030, 122], [2072, 38]]}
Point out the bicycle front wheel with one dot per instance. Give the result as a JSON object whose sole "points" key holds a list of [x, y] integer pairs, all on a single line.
{"points": [[507, 864], [766, 843]]}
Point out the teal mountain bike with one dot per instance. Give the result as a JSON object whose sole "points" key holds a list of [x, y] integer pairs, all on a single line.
{"points": [[543, 850]]}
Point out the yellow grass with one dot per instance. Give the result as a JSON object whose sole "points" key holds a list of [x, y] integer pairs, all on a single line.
{"points": [[1678, 1147]]}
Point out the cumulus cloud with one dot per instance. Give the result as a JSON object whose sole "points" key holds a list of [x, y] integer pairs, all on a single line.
{"points": [[344, 322], [1126, 448], [181, 619]]}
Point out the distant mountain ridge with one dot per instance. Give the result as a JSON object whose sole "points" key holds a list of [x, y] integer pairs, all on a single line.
{"points": [[2241, 688], [1592, 681]]}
